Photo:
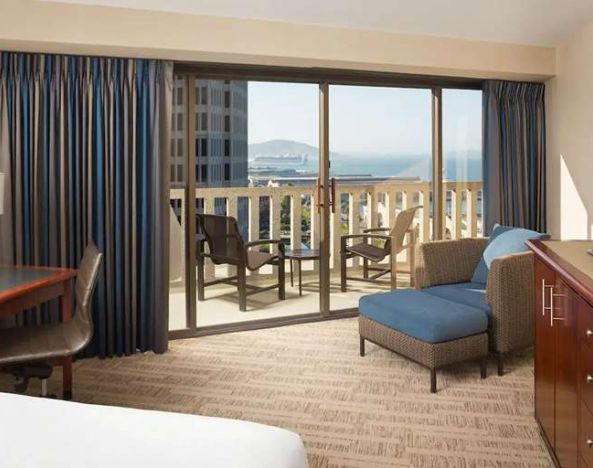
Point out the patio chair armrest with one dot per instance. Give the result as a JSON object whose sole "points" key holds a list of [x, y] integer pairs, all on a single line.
{"points": [[448, 261], [258, 242], [383, 229], [365, 236], [510, 294]]}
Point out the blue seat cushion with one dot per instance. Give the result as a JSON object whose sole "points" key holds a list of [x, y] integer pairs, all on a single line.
{"points": [[504, 240], [424, 316], [471, 294]]}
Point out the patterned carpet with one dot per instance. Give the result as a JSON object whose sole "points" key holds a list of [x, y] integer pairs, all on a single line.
{"points": [[350, 411]]}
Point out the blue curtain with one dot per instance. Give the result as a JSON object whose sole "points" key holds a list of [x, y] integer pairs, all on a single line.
{"points": [[514, 139], [84, 142]]}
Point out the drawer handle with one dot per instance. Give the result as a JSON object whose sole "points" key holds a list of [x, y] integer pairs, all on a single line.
{"points": [[589, 378], [589, 443], [589, 332], [544, 287]]}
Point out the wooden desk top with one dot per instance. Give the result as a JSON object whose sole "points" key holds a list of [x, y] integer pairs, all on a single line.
{"points": [[17, 281]]}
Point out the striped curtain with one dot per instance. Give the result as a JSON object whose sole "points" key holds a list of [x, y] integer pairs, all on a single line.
{"points": [[514, 139], [84, 142]]}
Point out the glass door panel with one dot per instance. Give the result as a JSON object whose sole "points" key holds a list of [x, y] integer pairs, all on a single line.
{"points": [[256, 159], [177, 202], [462, 163], [381, 162]]}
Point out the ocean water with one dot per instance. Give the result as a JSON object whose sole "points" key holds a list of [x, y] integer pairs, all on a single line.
{"points": [[456, 169]]}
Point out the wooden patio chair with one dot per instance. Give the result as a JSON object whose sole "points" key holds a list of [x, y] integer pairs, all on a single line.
{"points": [[393, 244], [226, 247]]}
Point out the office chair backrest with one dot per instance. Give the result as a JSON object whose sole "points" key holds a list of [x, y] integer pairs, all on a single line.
{"points": [[86, 280], [402, 224], [223, 238]]}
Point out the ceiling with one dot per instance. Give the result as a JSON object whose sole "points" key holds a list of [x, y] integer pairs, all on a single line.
{"points": [[536, 22]]}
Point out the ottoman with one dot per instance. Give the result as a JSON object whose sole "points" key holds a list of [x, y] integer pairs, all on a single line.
{"points": [[427, 329]]}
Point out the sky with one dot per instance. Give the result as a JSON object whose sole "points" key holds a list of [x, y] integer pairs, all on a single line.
{"points": [[364, 119]]}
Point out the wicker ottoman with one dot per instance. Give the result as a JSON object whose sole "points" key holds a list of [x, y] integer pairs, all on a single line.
{"points": [[389, 321]]}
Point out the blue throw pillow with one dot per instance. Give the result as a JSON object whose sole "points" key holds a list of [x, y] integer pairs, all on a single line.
{"points": [[505, 240]]}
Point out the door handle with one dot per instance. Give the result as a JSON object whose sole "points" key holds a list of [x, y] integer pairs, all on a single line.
{"points": [[589, 378], [333, 194], [318, 196], [552, 307], [589, 333], [589, 443], [544, 287]]}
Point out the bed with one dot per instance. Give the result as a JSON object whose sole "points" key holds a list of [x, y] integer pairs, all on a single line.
{"points": [[37, 432]]}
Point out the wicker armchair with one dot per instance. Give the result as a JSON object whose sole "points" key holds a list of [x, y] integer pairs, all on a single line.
{"points": [[509, 290]]}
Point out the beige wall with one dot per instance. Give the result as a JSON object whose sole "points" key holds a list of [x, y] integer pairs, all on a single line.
{"points": [[570, 139], [29, 25]]}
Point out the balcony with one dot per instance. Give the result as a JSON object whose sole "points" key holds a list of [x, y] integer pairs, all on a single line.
{"points": [[288, 212]]}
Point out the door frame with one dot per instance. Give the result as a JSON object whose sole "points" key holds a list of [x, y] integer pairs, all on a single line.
{"points": [[324, 77]]}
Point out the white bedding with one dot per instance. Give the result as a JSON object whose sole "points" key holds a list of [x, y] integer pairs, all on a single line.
{"points": [[37, 432]]}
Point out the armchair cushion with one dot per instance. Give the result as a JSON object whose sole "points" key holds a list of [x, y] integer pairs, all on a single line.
{"points": [[447, 261], [505, 240], [423, 316], [470, 294]]}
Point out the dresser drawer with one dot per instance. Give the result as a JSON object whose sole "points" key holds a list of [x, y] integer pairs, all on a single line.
{"points": [[586, 436], [585, 326]]}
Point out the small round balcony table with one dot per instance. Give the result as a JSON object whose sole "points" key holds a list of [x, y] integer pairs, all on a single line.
{"points": [[298, 255]]}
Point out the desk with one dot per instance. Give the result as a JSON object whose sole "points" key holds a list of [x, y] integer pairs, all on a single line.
{"points": [[23, 287]]}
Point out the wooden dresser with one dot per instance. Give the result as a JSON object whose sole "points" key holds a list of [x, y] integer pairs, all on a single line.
{"points": [[564, 349]]}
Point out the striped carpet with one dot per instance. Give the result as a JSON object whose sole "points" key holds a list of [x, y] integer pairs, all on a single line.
{"points": [[350, 411]]}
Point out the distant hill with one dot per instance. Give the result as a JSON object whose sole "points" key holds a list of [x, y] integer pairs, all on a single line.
{"points": [[278, 147]]}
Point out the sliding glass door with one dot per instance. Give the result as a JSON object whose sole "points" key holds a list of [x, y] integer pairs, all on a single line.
{"points": [[462, 163], [324, 170]]}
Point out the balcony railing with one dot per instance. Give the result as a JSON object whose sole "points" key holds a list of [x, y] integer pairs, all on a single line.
{"points": [[365, 205]]}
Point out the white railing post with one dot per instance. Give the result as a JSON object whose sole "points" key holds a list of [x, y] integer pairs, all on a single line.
{"points": [[425, 218], [336, 233], [314, 222], [253, 222], [406, 203], [458, 214], [391, 209], [231, 210], [275, 211], [372, 209], [254, 217], [471, 208], [209, 269], [353, 218], [295, 221]]}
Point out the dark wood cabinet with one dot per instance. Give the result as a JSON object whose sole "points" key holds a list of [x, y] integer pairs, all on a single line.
{"points": [[545, 352], [564, 350], [566, 399]]}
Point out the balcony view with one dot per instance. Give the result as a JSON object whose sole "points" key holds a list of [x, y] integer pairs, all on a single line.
{"points": [[256, 147]]}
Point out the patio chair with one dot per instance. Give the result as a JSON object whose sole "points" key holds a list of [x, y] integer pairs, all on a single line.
{"points": [[226, 247], [393, 244]]}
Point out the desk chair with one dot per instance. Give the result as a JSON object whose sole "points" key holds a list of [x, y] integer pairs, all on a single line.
{"points": [[28, 352]]}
